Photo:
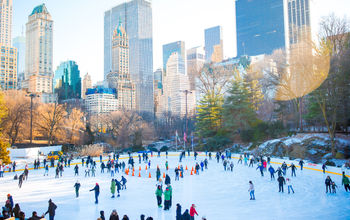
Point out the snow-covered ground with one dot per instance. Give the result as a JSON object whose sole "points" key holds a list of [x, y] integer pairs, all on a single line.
{"points": [[218, 195]]}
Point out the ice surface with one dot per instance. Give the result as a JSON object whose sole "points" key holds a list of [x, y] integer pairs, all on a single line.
{"points": [[218, 195]]}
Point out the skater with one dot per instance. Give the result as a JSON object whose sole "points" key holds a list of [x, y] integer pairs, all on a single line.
{"points": [[51, 210], [284, 168], [272, 172], [177, 174], [167, 179], [167, 195], [57, 172], [77, 187], [225, 164], [251, 162], [261, 168], [9, 204], [240, 159], [334, 186], [251, 190], [76, 170], [301, 163], [195, 155], [113, 187], [193, 211], [46, 173], [102, 215], [114, 215], [324, 167], [178, 212], [93, 169], [118, 186], [159, 193], [166, 165], [103, 166], [345, 181], [289, 185], [279, 171], [293, 167], [186, 215], [87, 172], [20, 180], [97, 192], [231, 166], [281, 182], [123, 181], [328, 183]]}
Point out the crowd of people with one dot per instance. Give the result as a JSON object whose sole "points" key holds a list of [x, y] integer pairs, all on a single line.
{"points": [[163, 193]]}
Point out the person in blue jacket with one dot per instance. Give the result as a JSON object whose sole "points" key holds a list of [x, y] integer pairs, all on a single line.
{"points": [[272, 172], [97, 192], [261, 167]]}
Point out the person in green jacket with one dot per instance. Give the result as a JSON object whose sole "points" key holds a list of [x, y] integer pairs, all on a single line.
{"points": [[167, 195], [166, 165], [113, 188], [345, 182], [77, 187], [158, 174], [159, 193], [171, 194]]}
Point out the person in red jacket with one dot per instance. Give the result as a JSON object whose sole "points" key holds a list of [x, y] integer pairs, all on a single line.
{"points": [[193, 211]]}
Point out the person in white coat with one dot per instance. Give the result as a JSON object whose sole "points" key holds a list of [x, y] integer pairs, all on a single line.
{"points": [[251, 190]]}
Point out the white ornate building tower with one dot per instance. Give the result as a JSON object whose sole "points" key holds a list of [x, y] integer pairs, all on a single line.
{"points": [[119, 77]]}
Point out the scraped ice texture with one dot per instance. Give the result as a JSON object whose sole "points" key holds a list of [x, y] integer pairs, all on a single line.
{"points": [[218, 195]]}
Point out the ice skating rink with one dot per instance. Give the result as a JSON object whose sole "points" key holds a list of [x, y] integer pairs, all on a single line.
{"points": [[218, 194]]}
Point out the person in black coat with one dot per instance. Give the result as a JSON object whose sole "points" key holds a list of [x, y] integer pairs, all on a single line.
{"points": [[97, 192], [35, 216], [51, 210], [178, 212], [114, 215], [328, 183], [167, 179], [102, 215], [119, 186], [281, 182], [186, 215]]}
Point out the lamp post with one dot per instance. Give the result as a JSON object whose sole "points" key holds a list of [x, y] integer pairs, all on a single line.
{"points": [[186, 93], [32, 96]]}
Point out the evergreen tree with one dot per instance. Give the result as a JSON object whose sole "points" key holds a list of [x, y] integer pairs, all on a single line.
{"points": [[238, 112], [209, 115]]}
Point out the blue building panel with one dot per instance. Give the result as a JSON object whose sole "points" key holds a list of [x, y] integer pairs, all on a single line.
{"points": [[260, 26]]}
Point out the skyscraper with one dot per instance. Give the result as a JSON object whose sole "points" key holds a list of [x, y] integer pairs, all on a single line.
{"points": [[175, 47], [67, 81], [119, 77], [87, 84], [20, 44], [137, 17], [38, 69], [8, 54], [175, 82], [6, 22], [195, 62], [260, 26], [214, 49], [266, 25]]}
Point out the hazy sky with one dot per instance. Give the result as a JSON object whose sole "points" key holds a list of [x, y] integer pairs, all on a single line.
{"points": [[78, 26]]}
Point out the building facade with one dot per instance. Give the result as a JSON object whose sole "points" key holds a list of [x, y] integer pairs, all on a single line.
{"points": [[214, 48], [8, 54], [101, 100], [67, 81], [6, 22], [175, 82], [175, 47], [119, 77], [39, 45], [157, 88], [87, 84], [195, 62], [20, 44], [8, 72], [137, 17]]}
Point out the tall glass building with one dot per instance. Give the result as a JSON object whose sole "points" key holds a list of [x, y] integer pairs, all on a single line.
{"points": [[260, 26], [175, 47], [67, 81], [137, 17], [213, 44]]}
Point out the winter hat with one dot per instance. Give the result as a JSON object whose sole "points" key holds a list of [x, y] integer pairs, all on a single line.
{"points": [[96, 184], [8, 195]]}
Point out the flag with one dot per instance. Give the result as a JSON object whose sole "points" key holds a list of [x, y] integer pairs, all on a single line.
{"points": [[185, 137]]}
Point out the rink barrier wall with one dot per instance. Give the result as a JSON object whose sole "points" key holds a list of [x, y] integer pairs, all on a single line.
{"points": [[173, 155]]}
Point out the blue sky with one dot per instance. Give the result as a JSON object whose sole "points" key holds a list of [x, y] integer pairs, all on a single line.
{"points": [[78, 26]]}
